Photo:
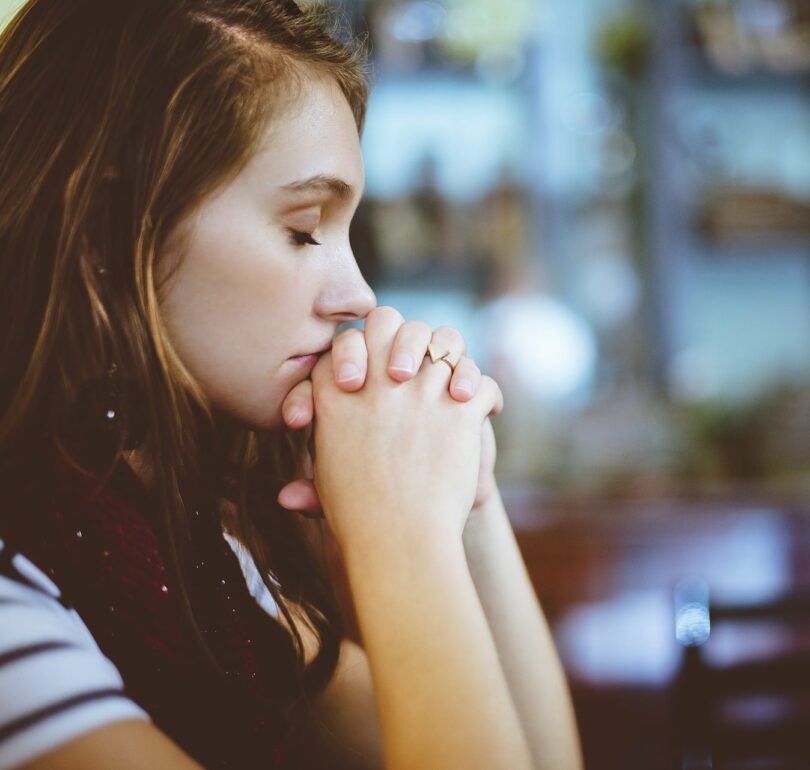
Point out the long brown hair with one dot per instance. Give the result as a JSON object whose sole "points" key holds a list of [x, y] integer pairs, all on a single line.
{"points": [[116, 119]]}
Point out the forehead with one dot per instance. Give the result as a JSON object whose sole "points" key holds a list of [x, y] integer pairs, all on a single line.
{"points": [[314, 136]]}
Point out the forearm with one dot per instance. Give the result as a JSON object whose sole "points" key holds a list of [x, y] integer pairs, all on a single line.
{"points": [[441, 694], [522, 637]]}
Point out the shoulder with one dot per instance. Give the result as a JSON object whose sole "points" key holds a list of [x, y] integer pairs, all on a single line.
{"points": [[55, 683]]}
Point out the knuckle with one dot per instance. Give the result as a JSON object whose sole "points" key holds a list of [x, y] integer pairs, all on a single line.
{"points": [[351, 349], [385, 313], [464, 367], [452, 335], [472, 368], [418, 329]]}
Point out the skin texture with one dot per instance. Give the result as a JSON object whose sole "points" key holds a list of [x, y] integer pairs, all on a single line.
{"points": [[250, 292], [409, 338], [396, 448]]}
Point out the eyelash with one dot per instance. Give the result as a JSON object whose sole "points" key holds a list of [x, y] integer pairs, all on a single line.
{"points": [[299, 238]]}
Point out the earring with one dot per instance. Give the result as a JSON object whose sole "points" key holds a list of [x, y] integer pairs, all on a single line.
{"points": [[110, 415]]}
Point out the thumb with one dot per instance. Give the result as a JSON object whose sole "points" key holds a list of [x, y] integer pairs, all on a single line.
{"points": [[301, 496]]}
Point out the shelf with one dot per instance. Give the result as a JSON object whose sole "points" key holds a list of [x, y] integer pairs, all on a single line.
{"points": [[752, 246], [751, 214], [769, 45], [702, 72]]}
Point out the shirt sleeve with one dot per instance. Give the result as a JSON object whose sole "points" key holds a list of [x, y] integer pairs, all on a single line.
{"points": [[55, 683]]}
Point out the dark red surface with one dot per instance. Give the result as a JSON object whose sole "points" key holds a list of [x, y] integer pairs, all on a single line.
{"points": [[595, 560]]}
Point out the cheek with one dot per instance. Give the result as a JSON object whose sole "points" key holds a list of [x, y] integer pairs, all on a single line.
{"points": [[222, 289], [234, 312]]}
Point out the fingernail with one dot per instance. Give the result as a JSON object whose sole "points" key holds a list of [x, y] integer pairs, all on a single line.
{"points": [[403, 362], [464, 386], [348, 372], [293, 414]]}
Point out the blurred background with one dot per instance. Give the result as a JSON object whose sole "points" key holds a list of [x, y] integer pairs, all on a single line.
{"points": [[611, 199]]}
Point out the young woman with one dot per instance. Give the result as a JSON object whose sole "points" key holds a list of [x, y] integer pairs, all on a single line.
{"points": [[178, 179]]}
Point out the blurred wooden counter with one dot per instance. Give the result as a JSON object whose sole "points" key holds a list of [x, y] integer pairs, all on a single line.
{"points": [[605, 576]]}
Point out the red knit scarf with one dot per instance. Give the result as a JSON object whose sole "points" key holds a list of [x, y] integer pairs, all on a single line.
{"points": [[105, 553]]}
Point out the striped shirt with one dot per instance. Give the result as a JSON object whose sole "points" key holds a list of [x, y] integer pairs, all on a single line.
{"points": [[55, 683]]}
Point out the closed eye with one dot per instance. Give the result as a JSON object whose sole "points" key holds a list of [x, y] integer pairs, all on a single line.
{"points": [[300, 238]]}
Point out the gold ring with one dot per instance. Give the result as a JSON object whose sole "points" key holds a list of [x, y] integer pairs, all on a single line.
{"points": [[438, 354]]}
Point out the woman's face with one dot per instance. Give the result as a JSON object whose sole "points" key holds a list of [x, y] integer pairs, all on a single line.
{"points": [[266, 272]]}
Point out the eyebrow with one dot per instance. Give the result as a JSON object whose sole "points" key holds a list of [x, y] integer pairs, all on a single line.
{"points": [[322, 183]]}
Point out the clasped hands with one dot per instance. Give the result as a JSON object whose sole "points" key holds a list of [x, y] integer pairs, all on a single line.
{"points": [[348, 360]]}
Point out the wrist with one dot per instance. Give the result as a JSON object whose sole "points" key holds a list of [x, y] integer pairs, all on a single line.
{"points": [[399, 541], [482, 519], [405, 556]]}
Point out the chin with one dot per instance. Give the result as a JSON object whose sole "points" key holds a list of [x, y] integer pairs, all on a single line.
{"points": [[264, 422], [253, 418], [275, 423]]}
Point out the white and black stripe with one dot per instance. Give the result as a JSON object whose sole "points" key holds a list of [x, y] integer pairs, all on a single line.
{"points": [[255, 584], [55, 683]]}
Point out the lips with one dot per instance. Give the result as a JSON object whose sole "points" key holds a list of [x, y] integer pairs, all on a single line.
{"points": [[315, 353]]}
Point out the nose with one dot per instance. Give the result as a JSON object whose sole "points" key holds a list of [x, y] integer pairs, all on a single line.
{"points": [[345, 295]]}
